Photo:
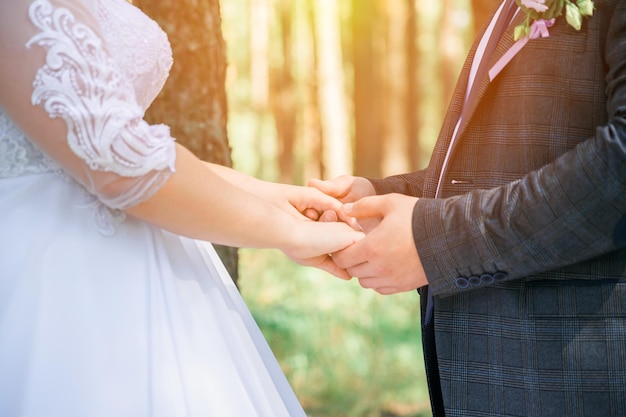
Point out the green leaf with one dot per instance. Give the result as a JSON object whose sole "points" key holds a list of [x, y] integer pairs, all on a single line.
{"points": [[521, 31], [585, 7], [573, 16]]}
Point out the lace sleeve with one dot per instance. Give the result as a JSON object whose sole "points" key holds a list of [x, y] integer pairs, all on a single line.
{"points": [[121, 158]]}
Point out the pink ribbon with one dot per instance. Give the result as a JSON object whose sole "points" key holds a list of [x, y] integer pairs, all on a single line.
{"points": [[538, 29]]}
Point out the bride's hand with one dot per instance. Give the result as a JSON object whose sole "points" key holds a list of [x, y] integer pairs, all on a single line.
{"points": [[295, 200], [313, 242], [312, 203], [347, 189]]}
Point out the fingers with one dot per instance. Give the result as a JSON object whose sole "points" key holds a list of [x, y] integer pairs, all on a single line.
{"points": [[329, 187], [381, 285], [313, 214], [345, 189], [373, 206], [331, 267], [317, 206], [353, 258], [385, 260], [317, 238], [328, 216], [331, 216], [342, 187], [316, 199], [325, 263], [339, 236]]}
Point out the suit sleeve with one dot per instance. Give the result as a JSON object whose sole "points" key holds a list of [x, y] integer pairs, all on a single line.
{"points": [[409, 184], [569, 211]]}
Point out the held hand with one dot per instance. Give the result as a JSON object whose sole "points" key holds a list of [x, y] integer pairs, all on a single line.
{"points": [[314, 241], [386, 259], [313, 204], [345, 188]]}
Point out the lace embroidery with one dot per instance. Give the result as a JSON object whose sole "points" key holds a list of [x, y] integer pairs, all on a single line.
{"points": [[105, 124], [146, 59], [17, 155], [104, 217]]}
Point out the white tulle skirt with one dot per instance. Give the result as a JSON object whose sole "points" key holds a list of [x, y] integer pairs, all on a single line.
{"points": [[139, 323]]}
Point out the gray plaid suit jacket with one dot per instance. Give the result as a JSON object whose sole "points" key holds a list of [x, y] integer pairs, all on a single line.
{"points": [[526, 250]]}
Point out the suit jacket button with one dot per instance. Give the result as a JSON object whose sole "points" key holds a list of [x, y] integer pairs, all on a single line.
{"points": [[462, 282], [487, 278], [499, 276], [474, 281]]}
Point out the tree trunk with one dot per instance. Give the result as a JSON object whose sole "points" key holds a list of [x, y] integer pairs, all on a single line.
{"points": [[259, 51], [312, 127], [414, 95], [450, 47], [481, 11], [396, 156], [193, 102], [368, 74], [283, 95], [336, 149]]}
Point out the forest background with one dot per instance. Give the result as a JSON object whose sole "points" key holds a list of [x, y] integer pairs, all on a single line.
{"points": [[288, 90]]}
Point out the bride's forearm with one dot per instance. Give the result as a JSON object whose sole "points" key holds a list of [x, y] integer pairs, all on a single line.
{"points": [[250, 184], [244, 181], [213, 204]]}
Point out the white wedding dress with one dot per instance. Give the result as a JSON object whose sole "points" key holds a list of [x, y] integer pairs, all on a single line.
{"points": [[102, 314]]}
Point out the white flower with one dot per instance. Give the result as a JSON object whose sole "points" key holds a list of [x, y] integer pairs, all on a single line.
{"points": [[537, 5]]}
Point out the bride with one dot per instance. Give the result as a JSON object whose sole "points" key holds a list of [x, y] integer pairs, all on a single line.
{"points": [[112, 303]]}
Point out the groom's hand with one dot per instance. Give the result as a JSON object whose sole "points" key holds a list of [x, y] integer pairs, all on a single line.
{"points": [[314, 241], [346, 189], [386, 260]]}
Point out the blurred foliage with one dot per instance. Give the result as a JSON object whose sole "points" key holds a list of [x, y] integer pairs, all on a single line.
{"points": [[347, 352]]}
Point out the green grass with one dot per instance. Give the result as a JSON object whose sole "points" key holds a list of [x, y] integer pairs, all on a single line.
{"points": [[347, 352]]}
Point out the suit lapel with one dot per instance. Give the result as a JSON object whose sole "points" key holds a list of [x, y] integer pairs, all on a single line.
{"points": [[458, 97], [505, 42]]}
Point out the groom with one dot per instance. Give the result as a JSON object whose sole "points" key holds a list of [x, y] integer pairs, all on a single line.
{"points": [[515, 234]]}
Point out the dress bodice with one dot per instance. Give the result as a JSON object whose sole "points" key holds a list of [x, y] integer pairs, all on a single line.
{"points": [[140, 47], [141, 52]]}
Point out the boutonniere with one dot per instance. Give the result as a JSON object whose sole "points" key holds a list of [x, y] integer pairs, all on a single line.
{"points": [[540, 15], [537, 11]]}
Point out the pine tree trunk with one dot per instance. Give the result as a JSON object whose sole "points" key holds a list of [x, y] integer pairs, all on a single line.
{"points": [[481, 10], [396, 148], [283, 94], [368, 61], [450, 47], [336, 149], [414, 94]]}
